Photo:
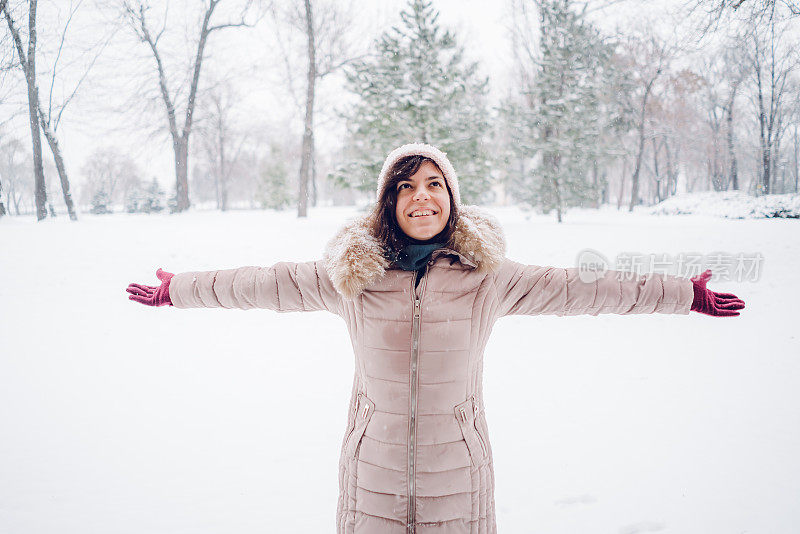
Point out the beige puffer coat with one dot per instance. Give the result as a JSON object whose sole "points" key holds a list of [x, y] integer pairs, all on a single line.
{"points": [[416, 455]]}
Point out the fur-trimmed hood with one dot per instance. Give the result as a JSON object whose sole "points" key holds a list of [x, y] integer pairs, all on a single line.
{"points": [[355, 258]]}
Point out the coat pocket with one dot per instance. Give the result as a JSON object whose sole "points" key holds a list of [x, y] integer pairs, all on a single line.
{"points": [[465, 415], [364, 410]]}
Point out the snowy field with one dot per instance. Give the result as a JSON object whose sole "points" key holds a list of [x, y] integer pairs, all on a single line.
{"points": [[125, 419]]}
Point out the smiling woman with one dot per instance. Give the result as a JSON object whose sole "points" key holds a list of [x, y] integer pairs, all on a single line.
{"points": [[420, 281]]}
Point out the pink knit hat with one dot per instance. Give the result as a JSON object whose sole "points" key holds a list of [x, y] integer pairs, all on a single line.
{"points": [[429, 151]]}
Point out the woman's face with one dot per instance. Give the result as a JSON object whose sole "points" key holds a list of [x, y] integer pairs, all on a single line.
{"points": [[423, 203]]}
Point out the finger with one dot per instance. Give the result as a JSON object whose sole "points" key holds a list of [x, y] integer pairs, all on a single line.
{"points": [[730, 306], [143, 287], [144, 290], [737, 302], [136, 291], [728, 301], [727, 313]]}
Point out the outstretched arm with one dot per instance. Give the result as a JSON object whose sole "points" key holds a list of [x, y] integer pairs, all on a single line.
{"points": [[282, 287], [536, 290]]}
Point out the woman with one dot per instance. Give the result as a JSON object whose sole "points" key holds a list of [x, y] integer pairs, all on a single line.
{"points": [[420, 281]]}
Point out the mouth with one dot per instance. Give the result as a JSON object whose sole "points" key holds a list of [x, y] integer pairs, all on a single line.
{"points": [[421, 214]]}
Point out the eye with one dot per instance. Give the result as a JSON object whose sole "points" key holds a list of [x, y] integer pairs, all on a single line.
{"points": [[399, 187], [437, 183]]}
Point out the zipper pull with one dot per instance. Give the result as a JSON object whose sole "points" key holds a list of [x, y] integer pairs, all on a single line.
{"points": [[463, 414], [366, 411], [416, 307]]}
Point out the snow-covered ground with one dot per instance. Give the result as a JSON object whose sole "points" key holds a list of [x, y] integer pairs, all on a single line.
{"points": [[121, 418], [731, 204]]}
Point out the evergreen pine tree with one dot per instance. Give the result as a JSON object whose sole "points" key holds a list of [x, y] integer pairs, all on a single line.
{"points": [[557, 130], [272, 190], [133, 200], [153, 197], [417, 88], [172, 202], [100, 202]]}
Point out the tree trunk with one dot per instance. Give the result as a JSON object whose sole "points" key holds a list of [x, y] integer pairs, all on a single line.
{"points": [[762, 120], [308, 130], [314, 191], [796, 154], [556, 164], [40, 189], [637, 169], [62, 170], [223, 173], [622, 181], [656, 174], [733, 176], [181, 149], [670, 170]]}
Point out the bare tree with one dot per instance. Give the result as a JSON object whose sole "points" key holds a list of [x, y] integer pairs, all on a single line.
{"points": [[735, 73], [649, 58], [772, 62], [27, 61], [111, 171], [326, 28], [50, 117], [137, 16], [218, 138], [308, 125]]}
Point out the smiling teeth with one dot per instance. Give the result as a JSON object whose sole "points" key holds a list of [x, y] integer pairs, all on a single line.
{"points": [[421, 213]]}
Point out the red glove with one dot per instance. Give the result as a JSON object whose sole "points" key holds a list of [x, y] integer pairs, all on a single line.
{"points": [[711, 303], [151, 295]]}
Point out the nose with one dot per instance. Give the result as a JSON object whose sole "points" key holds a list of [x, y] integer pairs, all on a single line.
{"points": [[421, 194]]}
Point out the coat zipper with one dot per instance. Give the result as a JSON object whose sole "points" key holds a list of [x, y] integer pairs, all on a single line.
{"points": [[475, 423], [355, 418], [412, 423], [465, 419]]}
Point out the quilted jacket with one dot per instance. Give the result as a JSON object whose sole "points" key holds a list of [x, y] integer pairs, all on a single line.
{"points": [[416, 455]]}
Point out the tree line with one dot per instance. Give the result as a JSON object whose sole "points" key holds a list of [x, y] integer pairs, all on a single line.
{"points": [[592, 117]]}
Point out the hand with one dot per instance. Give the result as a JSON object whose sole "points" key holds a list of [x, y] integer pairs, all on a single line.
{"points": [[151, 295], [712, 303]]}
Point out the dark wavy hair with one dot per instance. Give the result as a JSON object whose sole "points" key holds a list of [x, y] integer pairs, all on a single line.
{"points": [[384, 224]]}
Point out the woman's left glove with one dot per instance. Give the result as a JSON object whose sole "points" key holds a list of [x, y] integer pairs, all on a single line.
{"points": [[152, 295], [712, 303]]}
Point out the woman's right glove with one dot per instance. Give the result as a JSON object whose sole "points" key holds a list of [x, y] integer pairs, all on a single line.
{"points": [[152, 295]]}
